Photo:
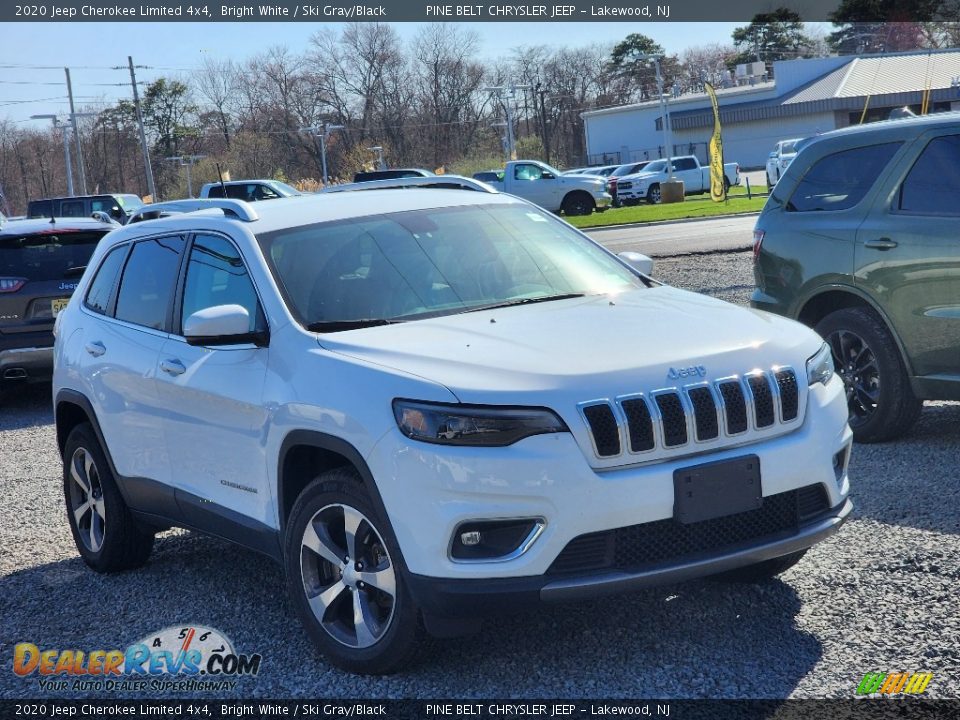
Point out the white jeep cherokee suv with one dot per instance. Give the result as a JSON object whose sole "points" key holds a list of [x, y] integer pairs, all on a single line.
{"points": [[431, 404]]}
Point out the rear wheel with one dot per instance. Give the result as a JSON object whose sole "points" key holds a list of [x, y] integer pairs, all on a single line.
{"points": [[879, 397], [578, 203], [726, 184], [653, 194], [769, 182], [344, 579], [758, 572], [106, 534]]}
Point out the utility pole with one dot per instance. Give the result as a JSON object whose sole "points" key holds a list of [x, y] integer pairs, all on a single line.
{"points": [[323, 133], [76, 134], [186, 161], [508, 93], [151, 188]]}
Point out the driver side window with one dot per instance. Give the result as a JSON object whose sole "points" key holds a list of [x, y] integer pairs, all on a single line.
{"points": [[527, 172], [216, 275]]}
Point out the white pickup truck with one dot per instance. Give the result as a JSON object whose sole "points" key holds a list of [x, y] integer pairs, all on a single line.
{"points": [[645, 185], [541, 184]]}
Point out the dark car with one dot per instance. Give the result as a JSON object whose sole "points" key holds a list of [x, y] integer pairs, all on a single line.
{"points": [[40, 264], [859, 240], [391, 174], [118, 206]]}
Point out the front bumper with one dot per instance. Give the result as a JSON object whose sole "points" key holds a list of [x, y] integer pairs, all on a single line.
{"points": [[444, 597], [602, 200]]}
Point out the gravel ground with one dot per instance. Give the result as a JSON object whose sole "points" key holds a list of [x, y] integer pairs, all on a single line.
{"points": [[878, 596]]}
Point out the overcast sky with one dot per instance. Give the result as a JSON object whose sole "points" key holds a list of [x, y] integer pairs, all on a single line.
{"points": [[32, 55]]}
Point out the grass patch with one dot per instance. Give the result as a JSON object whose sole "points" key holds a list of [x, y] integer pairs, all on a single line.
{"points": [[694, 206]]}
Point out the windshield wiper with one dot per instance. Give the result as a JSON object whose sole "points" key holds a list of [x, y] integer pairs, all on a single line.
{"points": [[525, 301], [341, 325], [75, 271]]}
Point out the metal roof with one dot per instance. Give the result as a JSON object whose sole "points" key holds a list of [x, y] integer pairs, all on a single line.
{"points": [[884, 75]]}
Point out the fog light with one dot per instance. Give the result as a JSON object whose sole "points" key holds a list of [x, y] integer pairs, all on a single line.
{"points": [[494, 540], [470, 538]]}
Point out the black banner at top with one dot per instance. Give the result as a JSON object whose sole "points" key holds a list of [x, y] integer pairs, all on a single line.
{"points": [[448, 11]]}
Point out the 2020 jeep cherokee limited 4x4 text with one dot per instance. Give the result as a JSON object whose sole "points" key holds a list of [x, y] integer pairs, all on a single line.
{"points": [[430, 404]]}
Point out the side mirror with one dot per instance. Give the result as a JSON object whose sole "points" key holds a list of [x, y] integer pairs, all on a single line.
{"points": [[773, 154], [640, 263], [221, 325], [547, 175]]}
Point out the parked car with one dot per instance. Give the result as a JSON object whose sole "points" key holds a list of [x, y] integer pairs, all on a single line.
{"points": [[780, 159], [599, 171], [248, 190], [432, 404], [390, 174], [645, 185], [545, 186], [859, 241], [622, 171], [41, 262], [118, 206]]}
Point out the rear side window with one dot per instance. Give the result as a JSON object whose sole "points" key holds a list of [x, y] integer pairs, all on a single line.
{"points": [[40, 209], [148, 282], [933, 185], [47, 255], [72, 208], [685, 164], [98, 297], [839, 181], [234, 192]]}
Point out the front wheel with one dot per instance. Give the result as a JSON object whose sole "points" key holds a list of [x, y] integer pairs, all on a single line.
{"points": [[653, 194], [344, 580], [106, 534], [880, 400], [578, 203]]}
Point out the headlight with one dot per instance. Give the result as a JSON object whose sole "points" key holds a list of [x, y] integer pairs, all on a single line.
{"points": [[473, 424], [820, 366]]}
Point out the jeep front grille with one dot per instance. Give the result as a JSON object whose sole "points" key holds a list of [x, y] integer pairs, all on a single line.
{"points": [[677, 420], [665, 542]]}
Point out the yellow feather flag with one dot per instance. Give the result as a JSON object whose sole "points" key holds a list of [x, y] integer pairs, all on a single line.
{"points": [[717, 190]]}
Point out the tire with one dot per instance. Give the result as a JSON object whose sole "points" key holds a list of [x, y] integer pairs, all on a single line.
{"points": [[761, 571], [769, 183], [578, 203], [320, 570], [881, 403], [653, 194], [105, 532], [630, 202], [726, 184]]}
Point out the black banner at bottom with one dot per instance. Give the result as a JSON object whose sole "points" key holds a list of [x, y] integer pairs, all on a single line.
{"points": [[864, 709]]}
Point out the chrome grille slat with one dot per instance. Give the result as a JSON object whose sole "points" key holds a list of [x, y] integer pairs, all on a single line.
{"points": [[677, 420]]}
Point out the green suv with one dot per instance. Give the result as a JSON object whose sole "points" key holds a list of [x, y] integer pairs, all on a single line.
{"points": [[860, 240]]}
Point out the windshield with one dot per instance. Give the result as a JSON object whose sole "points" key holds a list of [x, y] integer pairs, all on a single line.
{"points": [[629, 169], [427, 263], [789, 147], [286, 189], [655, 167]]}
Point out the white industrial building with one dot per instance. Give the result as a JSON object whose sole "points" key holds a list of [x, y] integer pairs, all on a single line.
{"points": [[806, 97]]}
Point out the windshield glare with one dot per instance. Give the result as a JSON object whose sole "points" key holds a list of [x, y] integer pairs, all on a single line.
{"points": [[428, 263], [789, 148], [655, 167]]}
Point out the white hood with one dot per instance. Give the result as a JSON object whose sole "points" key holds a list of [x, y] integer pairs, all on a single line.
{"points": [[559, 353]]}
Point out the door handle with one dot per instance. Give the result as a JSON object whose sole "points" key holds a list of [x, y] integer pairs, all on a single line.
{"points": [[172, 367], [881, 244], [95, 348]]}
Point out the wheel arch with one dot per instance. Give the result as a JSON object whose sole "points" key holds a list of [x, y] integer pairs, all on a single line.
{"points": [[577, 192], [818, 306], [72, 408]]}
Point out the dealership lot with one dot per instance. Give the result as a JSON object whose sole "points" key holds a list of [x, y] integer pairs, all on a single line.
{"points": [[878, 596]]}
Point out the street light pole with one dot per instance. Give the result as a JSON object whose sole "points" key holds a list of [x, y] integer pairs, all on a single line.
{"points": [[323, 133], [64, 129], [378, 149], [508, 92], [664, 111], [186, 161]]}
